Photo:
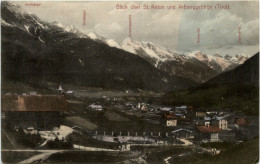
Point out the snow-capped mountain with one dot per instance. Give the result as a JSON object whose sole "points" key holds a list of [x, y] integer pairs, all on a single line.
{"points": [[197, 65], [40, 53], [147, 50], [168, 61], [217, 62], [101, 39]]}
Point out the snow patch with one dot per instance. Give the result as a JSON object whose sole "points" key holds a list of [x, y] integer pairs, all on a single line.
{"points": [[41, 39], [81, 62], [41, 25], [109, 42], [222, 61], [144, 49], [112, 43], [3, 22], [27, 29], [92, 35]]}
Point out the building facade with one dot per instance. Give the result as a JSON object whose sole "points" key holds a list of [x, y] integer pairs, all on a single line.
{"points": [[40, 112]]}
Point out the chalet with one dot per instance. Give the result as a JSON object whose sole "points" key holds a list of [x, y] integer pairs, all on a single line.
{"points": [[200, 114], [223, 124], [208, 133], [40, 112], [171, 122]]}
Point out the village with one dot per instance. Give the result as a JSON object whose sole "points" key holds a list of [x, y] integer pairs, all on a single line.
{"points": [[70, 120]]}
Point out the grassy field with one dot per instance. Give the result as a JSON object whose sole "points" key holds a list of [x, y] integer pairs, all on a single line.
{"points": [[113, 116], [78, 121]]}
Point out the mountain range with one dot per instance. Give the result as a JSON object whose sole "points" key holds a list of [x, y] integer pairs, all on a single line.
{"points": [[197, 66], [40, 53], [245, 74]]}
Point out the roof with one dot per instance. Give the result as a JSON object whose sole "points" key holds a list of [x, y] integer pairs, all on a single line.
{"points": [[178, 130], [181, 107], [170, 116], [34, 103], [95, 106], [208, 129], [207, 118], [166, 109]]}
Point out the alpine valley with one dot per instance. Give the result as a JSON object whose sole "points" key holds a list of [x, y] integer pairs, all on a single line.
{"points": [[39, 52]]}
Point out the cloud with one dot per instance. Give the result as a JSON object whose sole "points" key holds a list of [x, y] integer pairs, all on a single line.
{"points": [[108, 30], [173, 29], [217, 31]]}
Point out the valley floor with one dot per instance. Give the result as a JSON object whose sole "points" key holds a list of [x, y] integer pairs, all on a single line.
{"points": [[119, 134]]}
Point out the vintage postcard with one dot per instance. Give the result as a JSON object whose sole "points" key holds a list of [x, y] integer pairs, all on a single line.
{"points": [[130, 82]]}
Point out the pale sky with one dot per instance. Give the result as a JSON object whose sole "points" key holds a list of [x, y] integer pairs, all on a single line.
{"points": [[174, 29]]}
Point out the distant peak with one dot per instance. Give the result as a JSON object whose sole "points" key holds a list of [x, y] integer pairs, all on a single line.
{"points": [[217, 55], [128, 40], [93, 35]]}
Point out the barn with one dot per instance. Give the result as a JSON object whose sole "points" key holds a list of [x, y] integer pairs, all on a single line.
{"points": [[38, 112]]}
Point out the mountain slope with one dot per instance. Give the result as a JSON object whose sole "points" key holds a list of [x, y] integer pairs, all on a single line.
{"points": [[245, 74], [196, 66], [237, 89], [217, 62], [39, 52], [170, 62]]}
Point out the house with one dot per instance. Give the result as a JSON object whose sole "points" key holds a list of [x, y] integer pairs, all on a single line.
{"points": [[182, 133], [170, 116], [214, 137], [200, 114], [33, 93], [139, 106], [33, 111], [96, 107], [181, 109], [207, 123], [223, 124], [70, 92], [171, 122], [208, 133], [144, 108], [166, 109]]}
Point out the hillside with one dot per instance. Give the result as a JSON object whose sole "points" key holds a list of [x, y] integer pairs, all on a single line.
{"points": [[237, 89], [245, 74]]}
